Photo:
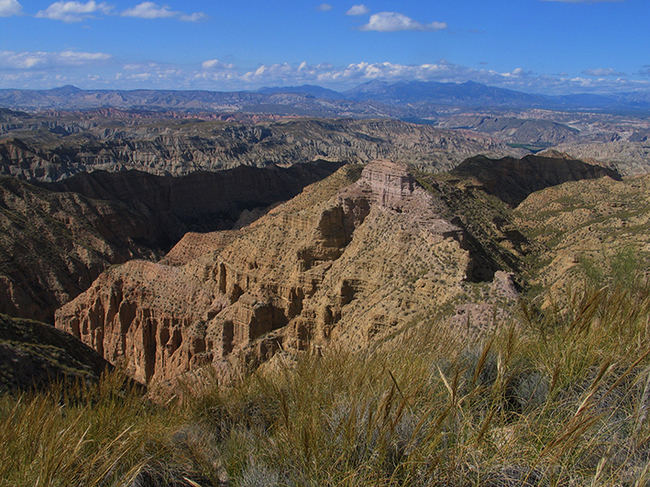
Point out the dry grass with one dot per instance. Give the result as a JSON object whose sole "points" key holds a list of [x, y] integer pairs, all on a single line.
{"points": [[562, 398]]}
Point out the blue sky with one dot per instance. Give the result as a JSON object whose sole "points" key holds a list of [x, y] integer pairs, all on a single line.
{"points": [[552, 46]]}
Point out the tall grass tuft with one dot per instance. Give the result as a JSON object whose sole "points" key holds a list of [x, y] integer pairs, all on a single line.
{"points": [[560, 397], [75, 434]]}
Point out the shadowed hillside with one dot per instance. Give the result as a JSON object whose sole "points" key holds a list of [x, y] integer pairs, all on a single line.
{"points": [[513, 179], [34, 355]]}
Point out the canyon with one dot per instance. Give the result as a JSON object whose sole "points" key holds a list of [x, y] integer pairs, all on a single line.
{"points": [[172, 244], [349, 259]]}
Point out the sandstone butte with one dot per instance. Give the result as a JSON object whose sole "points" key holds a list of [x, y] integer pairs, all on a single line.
{"points": [[350, 260]]}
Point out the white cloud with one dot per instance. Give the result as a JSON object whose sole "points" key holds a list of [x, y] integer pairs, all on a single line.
{"points": [[341, 77], [79, 58], [216, 64], [279, 71], [358, 10], [96, 69], [43, 59], [193, 17], [73, 11], [394, 21], [151, 73], [9, 8], [151, 10], [515, 73], [602, 72], [324, 7]]}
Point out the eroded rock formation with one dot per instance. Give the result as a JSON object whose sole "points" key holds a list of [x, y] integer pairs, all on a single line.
{"points": [[169, 147], [350, 260]]}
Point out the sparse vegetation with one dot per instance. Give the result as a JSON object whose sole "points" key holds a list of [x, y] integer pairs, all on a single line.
{"points": [[559, 398]]}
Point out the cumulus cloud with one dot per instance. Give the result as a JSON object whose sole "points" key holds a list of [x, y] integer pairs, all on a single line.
{"points": [[394, 21], [216, 64], [358, 10], [602, 72], [324, 7], [74, 11], [151, 10], [328, 74], [43, 59], [151, 74], [340, 77], [9, 8]]}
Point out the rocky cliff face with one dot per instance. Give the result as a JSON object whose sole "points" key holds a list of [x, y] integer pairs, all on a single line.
{"points": [[351, 259], [59, 237], [53, 245], [183, 147]]}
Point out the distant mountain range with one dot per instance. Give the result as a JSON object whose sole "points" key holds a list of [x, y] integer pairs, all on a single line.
{"points": [[465, 94], [404, 99]]}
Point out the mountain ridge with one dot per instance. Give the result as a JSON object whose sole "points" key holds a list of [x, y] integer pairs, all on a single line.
{"points": [[392, 95]]}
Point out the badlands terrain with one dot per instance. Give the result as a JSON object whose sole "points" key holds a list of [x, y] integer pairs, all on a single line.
{"points": [[202, 281]]}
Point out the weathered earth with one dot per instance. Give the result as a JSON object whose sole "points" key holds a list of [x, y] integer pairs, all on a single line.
{"points": [[592, 227], [181, 147], [344, 261], [512, 180], [58, 237], [628, 157]]}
